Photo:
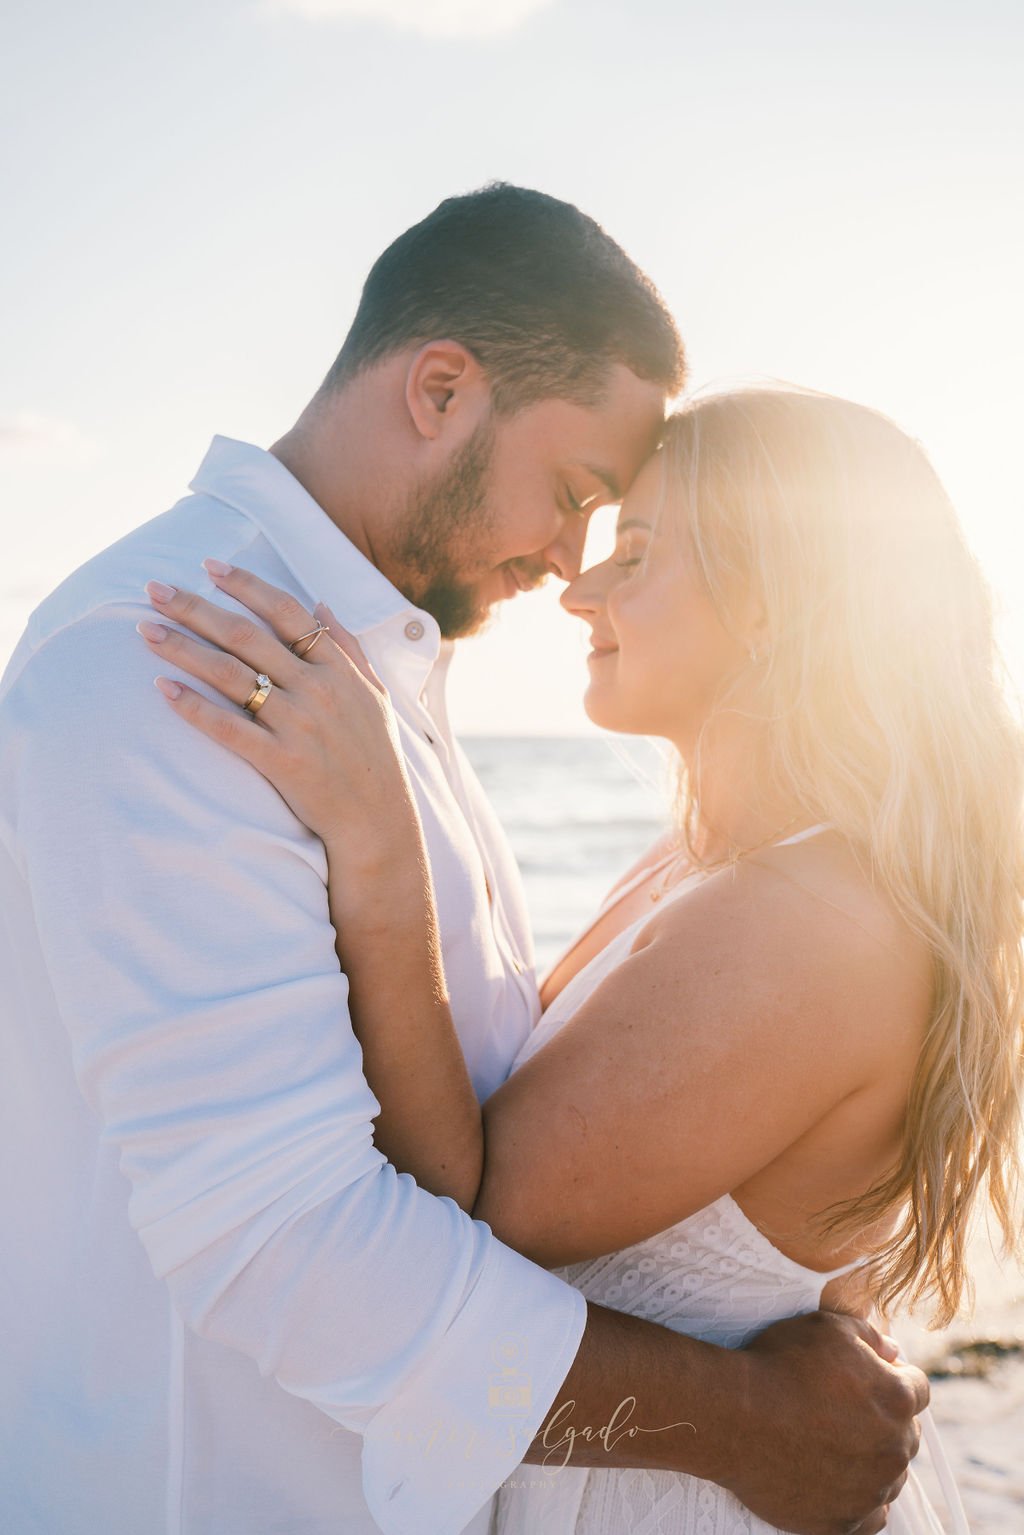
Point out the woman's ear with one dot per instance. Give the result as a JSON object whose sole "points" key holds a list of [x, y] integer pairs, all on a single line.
{"points": [[757, 635], [445, 387]]}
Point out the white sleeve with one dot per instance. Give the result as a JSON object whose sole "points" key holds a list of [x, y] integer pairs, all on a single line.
{"points": [[184, 918]]}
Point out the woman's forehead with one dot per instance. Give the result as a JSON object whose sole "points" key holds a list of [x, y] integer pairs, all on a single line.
{"points": [[648, 498]]}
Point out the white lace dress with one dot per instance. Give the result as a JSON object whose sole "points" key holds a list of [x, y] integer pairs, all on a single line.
{"points": [[714, 1276]]}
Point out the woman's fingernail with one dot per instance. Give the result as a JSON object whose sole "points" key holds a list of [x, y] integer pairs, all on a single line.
{"points": [[160, 591], [168, 688], [154, 632], [217, 567]]}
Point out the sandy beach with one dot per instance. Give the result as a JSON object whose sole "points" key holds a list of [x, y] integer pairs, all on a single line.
{"points": [[981, 1421], [976, 1368]]}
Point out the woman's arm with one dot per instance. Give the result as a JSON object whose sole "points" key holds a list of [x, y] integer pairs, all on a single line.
{"points": [[746, 1014], [383, 913], [750, 1009]]}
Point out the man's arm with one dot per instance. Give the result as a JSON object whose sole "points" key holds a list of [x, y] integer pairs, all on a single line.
{"points": [[182, 910], [808, 1425]]}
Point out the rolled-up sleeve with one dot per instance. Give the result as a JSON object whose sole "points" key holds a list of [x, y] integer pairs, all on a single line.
{"points": [[183, 914]]}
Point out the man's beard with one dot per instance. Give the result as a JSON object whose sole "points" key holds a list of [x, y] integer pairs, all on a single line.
{"points": [[444, 520]]}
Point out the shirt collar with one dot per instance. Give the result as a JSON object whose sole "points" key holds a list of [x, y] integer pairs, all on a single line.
{"points": [[327, 563]]}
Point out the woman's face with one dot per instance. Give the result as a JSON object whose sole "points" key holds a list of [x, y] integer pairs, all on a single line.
{"points": [[660, 651]]}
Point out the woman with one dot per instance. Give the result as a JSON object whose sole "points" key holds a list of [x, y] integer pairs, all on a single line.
{"points": [[785, 1059]]}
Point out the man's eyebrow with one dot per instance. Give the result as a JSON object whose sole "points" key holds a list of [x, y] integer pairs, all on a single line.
{"points": [[607, 479]]}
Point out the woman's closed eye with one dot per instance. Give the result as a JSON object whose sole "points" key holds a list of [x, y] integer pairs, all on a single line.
{"points": [[631, 548]]}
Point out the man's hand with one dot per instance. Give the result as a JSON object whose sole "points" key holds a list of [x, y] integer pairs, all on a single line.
{"points": [[828, 1426]]}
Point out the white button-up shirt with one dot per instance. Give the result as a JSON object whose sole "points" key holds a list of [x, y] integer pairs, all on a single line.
{"points": [[223, 1312]]}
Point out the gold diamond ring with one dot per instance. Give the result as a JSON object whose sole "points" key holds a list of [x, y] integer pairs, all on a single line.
{"points": [[259, 695]]}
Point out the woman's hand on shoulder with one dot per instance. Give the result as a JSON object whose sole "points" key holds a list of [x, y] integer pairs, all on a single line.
{"points": [[326, 736]]}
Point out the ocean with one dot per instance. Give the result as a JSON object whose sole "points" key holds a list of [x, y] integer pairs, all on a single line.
{"points": [[577, 812]]}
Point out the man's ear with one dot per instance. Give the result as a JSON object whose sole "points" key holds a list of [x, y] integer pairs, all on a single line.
{"points": [[445, 387]]}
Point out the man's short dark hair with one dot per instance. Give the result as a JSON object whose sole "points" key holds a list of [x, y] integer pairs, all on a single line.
{"points": [[534, 288]]}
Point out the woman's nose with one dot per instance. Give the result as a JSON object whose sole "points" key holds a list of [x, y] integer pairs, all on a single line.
{"points": [[584, 595]]}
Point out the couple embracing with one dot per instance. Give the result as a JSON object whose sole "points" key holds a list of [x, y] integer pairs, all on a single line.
{"points": [[321, 1218]]}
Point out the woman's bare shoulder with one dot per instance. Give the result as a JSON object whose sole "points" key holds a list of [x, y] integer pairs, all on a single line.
{"points": [[808, 923]]}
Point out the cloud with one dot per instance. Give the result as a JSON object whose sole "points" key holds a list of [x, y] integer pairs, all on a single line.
{"points": [[29, 437], [435, 18]]}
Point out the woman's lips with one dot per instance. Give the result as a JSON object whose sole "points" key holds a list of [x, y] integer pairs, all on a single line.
{"points": [[598, 652]]}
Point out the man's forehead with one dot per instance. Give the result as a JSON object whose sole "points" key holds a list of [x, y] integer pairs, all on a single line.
{"points": [[614, 438], [634, 421]]}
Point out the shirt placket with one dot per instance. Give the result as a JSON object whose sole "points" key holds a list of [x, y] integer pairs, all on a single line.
{"points": [[420, 691], [433, 702]]}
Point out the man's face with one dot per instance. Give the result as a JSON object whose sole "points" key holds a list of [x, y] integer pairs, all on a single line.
{"points": [[513, 502]]}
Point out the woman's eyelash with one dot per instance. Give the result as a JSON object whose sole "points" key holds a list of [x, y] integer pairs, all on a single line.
{"points": [[625, 564]]}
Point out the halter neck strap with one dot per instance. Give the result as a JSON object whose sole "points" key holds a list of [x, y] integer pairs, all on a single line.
{"points": [[798, 836]]}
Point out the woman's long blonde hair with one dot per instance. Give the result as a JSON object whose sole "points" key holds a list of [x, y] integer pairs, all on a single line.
{"points": [[890, 719]]}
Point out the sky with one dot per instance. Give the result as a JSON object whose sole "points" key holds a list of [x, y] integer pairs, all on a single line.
{"points": [[827, 193]]}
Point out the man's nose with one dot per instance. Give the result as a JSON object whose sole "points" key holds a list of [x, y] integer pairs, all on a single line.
{"points": [[564, 555]]}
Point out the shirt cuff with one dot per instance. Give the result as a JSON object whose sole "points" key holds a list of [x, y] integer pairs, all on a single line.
{"points": [[437, 1451]]}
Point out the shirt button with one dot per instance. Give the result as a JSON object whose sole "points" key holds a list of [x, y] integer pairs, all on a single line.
{"points": [[414, 630]]}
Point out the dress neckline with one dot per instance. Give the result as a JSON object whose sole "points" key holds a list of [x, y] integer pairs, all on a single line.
{"points": [[820, 1276]]}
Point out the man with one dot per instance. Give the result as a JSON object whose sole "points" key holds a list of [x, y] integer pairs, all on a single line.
{"points": [[224, 1312]]}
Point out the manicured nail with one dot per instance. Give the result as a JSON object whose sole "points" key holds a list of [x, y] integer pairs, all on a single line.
{"points": [[154, 632], [168, 688], [217, 567], [160, 591]]}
